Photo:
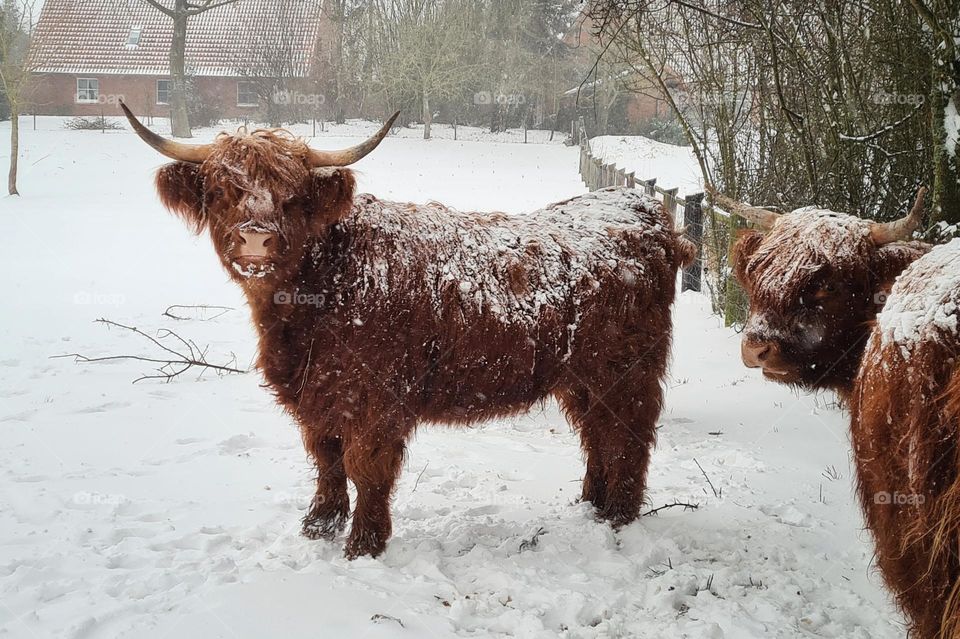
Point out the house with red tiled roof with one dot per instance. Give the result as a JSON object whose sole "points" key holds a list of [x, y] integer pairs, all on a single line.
{"points": [[92, 52], [625, 101]]}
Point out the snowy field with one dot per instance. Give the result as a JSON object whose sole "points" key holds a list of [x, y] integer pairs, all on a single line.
{"points": [[172, 510], [673, 166]]}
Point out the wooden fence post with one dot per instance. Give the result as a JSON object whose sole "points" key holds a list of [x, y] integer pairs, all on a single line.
{"points": [[650, 186], [632, 180], [670, 201], [693, 220]]}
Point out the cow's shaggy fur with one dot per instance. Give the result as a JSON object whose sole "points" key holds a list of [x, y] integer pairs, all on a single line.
{"points": [[816, 283], [906, 434], [377, 316]]}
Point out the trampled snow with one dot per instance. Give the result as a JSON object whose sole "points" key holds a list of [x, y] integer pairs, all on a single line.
{"points": [[172, 510]]}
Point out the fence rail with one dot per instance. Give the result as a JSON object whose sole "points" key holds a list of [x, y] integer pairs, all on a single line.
{"points": [[685, 211]]}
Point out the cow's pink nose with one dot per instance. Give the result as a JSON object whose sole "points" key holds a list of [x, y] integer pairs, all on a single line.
{"points": [[254, 244], [755, 353]]}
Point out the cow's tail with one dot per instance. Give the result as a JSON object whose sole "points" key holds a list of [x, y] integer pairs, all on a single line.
{"points": [[946, 537]]}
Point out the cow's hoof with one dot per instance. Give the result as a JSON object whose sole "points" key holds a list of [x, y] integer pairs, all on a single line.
{"points": [[362, 544], [594, 492], [618, 516], [324, 524]]}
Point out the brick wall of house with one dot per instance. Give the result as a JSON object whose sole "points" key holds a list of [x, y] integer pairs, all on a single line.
{"points": [[56, 94]]}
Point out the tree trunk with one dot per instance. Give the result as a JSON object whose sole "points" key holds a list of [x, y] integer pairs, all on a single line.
{"points": [[946, 168], [735, 302], [427, 116], [179, 118], [338, 15], [14, 147]]}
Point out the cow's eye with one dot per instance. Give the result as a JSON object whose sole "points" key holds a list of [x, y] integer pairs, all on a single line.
{"points": [[826, 291]]}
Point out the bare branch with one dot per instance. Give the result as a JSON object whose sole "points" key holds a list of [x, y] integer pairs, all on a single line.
{"points": [[712, 487], [188, 356], [159, 7], [887, 129], [676, 504], [194, 10], [223, 310]]}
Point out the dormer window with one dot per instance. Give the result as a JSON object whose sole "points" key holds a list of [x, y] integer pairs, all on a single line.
{"points": [[133, 40]]}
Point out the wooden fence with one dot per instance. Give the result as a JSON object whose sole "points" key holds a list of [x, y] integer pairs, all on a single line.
{"points": [[686, 211]]}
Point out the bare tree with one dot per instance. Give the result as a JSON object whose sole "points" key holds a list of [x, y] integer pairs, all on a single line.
{"points": [[338, 12], [17, 63], [523, 57], [180, 13], [428, 51], [276, 59], [942, 18], [790, 102]]}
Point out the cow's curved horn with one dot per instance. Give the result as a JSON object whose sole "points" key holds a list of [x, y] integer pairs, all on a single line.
{"points": [[761, 217], [193, 153], [887, 232], [354, 153]]}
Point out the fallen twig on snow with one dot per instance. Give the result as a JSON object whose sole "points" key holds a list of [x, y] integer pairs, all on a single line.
{"points": [[417, 483], [530, 544], [675, 504], [220, 310], [179, 359], [712, 487], [377, 618]]}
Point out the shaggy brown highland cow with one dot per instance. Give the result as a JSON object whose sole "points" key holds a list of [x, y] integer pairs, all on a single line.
{"points": [[377, 316], [816, 282]]}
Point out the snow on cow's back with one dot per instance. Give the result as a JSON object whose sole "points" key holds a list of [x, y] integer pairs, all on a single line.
{"points": [[924, 304], [515, 266]]}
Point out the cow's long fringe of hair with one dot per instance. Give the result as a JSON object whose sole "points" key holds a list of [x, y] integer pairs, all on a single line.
{"points": [[275, 156], [945, 549], [933, 535]]}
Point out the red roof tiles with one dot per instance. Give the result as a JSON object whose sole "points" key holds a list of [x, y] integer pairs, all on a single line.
{"points": [[90, 36]]}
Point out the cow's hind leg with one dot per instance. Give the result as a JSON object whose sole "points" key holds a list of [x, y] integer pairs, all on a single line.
{"points": [[373, 462], [330, 507], [617, 420]]}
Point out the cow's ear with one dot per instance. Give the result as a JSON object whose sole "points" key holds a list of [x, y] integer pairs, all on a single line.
{"points": [[747, 243], [180, 186], [331, 195], [892, 259]]}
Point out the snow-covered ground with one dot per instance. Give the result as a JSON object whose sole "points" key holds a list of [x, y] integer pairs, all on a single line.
{"points": [[172, 510], [673, 166]]}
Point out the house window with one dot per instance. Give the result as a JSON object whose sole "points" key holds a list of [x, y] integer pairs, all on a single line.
{"points": [[163, 91], [133, 40], [247, 94], [88, 90]]}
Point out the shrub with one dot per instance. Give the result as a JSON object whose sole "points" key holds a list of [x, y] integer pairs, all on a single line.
{"points": [[96, 123]]}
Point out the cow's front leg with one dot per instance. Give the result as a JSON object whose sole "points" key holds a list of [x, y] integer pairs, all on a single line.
{"points": [[330, 507], [373, 467]]}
